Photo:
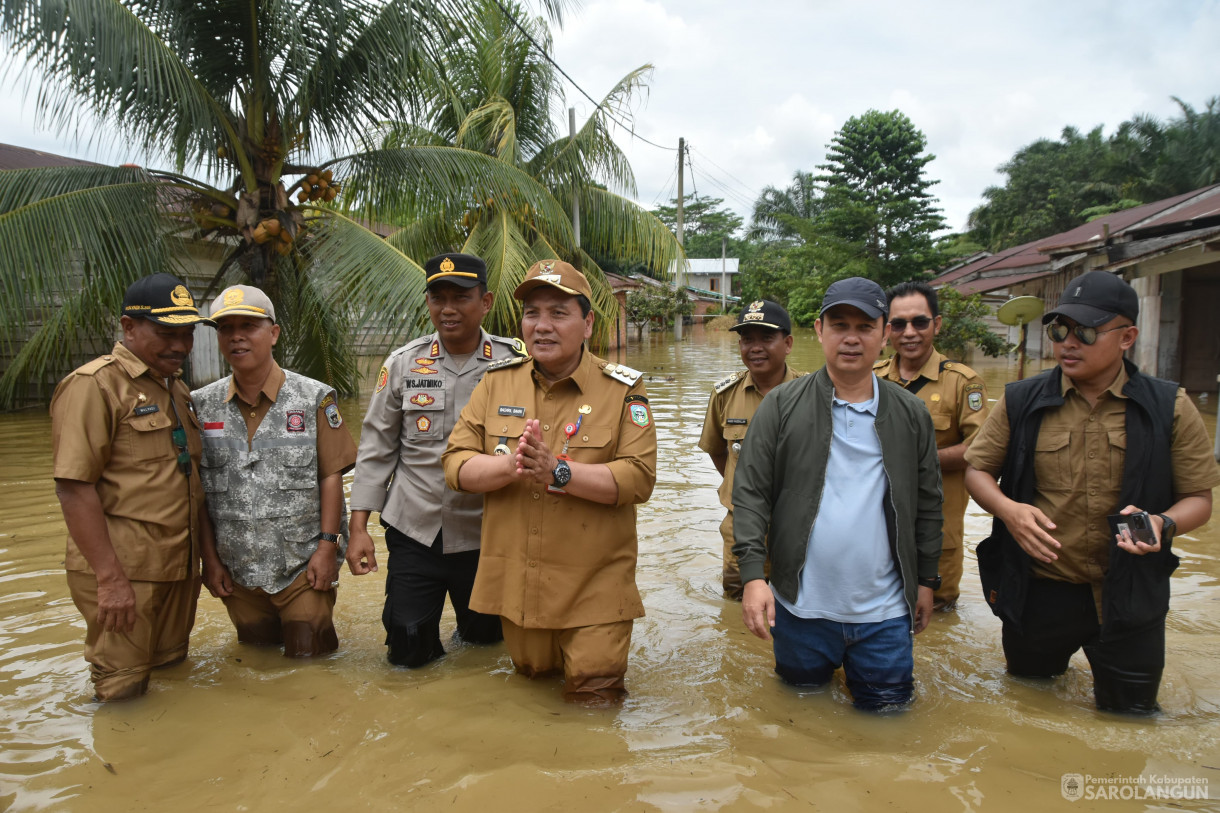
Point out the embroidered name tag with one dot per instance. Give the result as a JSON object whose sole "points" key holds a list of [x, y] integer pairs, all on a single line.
{"points": [[737, 421], [147, 409], [513, 411], [423, 384]]}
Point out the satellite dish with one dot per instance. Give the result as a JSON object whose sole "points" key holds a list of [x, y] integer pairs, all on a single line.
{"points": [[1020, 310]]}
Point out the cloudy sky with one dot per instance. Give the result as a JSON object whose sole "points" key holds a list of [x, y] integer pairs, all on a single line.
{"points": [[759, 88]]}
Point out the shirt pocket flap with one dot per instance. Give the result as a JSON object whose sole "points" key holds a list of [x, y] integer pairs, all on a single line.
{"points": [[298, 457], [941, 421], [214, 458], [503, 429], [1053, 441], [423, 400], [735, 431], [591, 437]]}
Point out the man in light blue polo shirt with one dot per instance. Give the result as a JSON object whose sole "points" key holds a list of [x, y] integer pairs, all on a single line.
{"points": [[838, 485]]}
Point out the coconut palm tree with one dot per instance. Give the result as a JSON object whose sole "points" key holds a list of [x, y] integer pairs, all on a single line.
{"points": [[264, 103], [498, 95]]}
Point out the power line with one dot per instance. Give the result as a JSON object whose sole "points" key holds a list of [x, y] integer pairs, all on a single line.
{"points": [[745, 187], [598, 105]]}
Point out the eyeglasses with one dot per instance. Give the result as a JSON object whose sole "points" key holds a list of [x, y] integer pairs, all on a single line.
{"points": [[1087, 335], [920, 323]]}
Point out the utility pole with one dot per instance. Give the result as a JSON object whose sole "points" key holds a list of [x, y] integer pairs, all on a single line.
{"points": [[680, 272], [575, 190], [724, 292]]}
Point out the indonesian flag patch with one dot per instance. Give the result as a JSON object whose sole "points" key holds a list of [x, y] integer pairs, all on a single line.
{"points": [[214, 429]]}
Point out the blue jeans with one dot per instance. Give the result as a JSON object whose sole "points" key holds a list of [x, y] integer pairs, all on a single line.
{"points": [[877, 658]]}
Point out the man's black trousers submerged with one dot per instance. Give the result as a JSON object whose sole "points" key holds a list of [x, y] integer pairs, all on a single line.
{"points": [[1060, 618], [417, 580]]}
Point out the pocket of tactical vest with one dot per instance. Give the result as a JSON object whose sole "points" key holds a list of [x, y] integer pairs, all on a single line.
{"points": [[211, 469], [1053, 461], [299, 467]]}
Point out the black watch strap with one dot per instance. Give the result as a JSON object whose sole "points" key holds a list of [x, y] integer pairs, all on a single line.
{"points": [[933, 583], [328, 537], [1168, 526]]}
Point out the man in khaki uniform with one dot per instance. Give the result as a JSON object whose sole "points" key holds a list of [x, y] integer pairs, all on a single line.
{"points": [[1059, 462], [274, 453], [431, 532], [126, 466], [957, 399], [563, 446], [764, 338]]}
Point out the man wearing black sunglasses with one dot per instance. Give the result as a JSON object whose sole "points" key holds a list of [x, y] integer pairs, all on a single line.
{"points": [[1059, 455], [126, 466], [957, 399]]}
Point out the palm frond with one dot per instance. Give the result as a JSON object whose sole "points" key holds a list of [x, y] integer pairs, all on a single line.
{"points": [[69, 227], [382, 288], [614, 227], [394, 186], [121, 66], [498, 239], [427, 237]]}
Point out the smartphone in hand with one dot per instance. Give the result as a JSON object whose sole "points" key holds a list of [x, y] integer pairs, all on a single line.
{"points": [[1138, 526]]}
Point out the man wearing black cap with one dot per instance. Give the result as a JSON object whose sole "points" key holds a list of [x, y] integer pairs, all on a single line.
{"points": [[764, 337], [126, 466], [431, 532], [1061, 453], [838, 486]]}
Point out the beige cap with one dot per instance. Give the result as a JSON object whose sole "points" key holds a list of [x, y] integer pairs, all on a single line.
{"points": [[242, 300], [558, 274]]}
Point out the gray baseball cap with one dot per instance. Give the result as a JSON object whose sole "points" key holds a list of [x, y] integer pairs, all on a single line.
{"points": [[858, 292]]}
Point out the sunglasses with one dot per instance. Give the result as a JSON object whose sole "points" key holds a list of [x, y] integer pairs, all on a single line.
{"points": [[1087, 335], [920, 323]]}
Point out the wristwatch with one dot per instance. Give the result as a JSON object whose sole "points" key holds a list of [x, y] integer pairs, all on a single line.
{"points": [[1168, 526], [329, 538], [933, 583], [562, 473]]}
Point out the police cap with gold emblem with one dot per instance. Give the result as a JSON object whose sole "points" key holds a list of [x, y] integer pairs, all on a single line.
{"points": [[462, 270], [164, 299], [764, 313], [242, 300], [557, 274]]}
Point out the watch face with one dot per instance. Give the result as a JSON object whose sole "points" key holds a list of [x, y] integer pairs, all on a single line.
{"points": [[562, 474]]}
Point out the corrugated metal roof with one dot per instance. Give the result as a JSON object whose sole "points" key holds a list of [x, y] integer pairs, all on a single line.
{"points": [[1161, 211], [14, 157]]}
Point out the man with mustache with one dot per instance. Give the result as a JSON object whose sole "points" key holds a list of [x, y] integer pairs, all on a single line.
{"points": [[126, 466]]}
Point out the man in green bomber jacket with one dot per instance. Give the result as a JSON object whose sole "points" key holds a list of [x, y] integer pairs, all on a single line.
{"points": [[838, 485]]}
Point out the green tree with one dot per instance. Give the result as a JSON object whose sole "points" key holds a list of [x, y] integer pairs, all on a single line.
{"points": [[266, 100], [963, 324], [877, 203], [1053, 186], [656, 305], [705, 221], [778, 212], [496, 96]]}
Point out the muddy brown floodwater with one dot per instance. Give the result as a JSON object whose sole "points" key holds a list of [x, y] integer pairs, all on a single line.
{"points": [[707, 726]]}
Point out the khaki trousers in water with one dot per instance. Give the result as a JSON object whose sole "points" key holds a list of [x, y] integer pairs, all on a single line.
{"points": [[298, 617], [120, 663], [593, 659]]}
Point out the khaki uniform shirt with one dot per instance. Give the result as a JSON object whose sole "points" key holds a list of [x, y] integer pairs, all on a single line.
{"points": [[733, 402], [556, 561], [1078, 465], [111, 425], [957, 399], [419, 393]]}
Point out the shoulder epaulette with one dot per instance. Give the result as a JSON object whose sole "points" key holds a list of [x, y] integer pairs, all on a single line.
{"points": [[97, 364], [957, 367], [879, 363], [621, 372], [416, 342], [512, 361], [517, 345], [728, 381]]}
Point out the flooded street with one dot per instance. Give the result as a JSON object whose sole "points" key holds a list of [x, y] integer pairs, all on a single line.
{"points": [[707, 726]]}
